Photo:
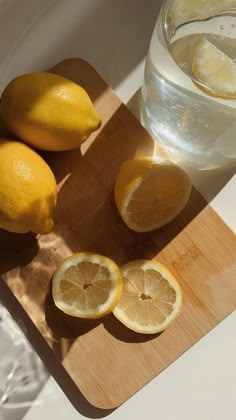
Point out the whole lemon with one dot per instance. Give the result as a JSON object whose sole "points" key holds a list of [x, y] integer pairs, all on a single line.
{"points": [[28, 190], [48, 111]]}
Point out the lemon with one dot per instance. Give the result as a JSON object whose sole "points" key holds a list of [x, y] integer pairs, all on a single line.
{"points": [[151, 297], [87, 285], [182, 11], [48, 111], [150, 192], [215, 69], [27, 189]]}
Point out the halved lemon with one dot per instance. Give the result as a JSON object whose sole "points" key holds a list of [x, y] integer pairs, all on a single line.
{"points": [[151, 297], [150, 192], [215, 69], [87, 285]]}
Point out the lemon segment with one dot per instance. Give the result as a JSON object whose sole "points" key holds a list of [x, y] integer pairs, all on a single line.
{"points": [[48, 111], [215, 69], [150, 192], [182, 11], [87, 285], [28, 190], [151, 297]]}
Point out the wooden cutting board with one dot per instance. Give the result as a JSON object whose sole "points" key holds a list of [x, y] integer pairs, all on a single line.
{"points": [[102, 361]]}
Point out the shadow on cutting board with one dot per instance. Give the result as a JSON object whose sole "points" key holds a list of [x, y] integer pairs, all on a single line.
{"points": [[122, 333], [16, 249], [65, 328], [86, 217]]}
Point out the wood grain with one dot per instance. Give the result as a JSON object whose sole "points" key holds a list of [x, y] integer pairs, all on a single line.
{"points": [[102, 360]]}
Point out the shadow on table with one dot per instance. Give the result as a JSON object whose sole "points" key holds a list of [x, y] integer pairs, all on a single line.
{"points": [[86, 30]]}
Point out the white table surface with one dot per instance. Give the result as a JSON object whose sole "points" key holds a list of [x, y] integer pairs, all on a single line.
{"points": [[114, 36]]}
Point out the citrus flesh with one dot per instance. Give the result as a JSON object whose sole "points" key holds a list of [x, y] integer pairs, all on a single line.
{"points": [[215, 69], [151, 297], [87, 285], [150, 192]]}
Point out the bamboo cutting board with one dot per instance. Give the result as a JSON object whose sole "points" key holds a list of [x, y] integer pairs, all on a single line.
{"points": [[102, 361]]}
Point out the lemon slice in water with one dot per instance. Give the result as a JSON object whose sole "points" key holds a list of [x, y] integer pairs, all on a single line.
{"points": [[215, 69]]}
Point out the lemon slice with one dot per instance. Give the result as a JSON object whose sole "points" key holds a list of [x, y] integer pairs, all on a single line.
{"points": [[151, 297], [182, 11], [87, 285], [215, 69], [150, 192]]}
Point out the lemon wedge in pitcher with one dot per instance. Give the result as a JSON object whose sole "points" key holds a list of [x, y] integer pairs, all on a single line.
{"points": [[215, 69]]}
